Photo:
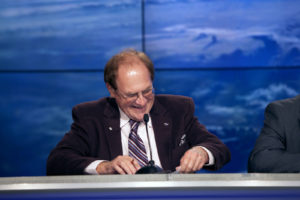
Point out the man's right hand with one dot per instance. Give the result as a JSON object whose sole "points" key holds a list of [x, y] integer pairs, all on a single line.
{"points": [[119, 165]]}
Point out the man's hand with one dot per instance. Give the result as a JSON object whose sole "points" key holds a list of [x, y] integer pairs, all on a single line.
{"points": [[192, 160], [119, 165]]}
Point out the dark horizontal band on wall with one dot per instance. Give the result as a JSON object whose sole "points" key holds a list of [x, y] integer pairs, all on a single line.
{"points": [[228, 68], [51, 71], [156, 69]]}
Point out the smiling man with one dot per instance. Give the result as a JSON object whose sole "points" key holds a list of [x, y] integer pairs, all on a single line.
{"points": [[109, 136]]}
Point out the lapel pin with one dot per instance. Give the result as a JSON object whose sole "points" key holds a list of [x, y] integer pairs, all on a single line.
{"points": [[182, 140], [110, 128], [166, 124]]}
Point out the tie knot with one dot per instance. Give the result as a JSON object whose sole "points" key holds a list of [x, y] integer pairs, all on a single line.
{"points": [[134, 124]]}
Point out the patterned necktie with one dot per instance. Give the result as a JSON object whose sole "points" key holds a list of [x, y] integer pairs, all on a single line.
{"points": [[136, 146]]}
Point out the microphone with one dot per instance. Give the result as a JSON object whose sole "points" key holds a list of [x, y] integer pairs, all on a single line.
{"points": [[151, 168]]}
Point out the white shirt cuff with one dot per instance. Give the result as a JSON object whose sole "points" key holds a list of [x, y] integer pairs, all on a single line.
{"points": [[91, 168], [211, 158]]}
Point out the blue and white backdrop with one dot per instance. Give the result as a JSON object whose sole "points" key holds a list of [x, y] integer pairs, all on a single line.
{"points": [[232, 58]]}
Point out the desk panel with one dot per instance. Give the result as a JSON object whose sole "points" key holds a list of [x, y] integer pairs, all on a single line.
{"points": [[163, 186]]}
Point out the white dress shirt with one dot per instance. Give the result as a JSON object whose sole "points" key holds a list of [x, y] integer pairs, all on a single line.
{"points": [[125, 131]]}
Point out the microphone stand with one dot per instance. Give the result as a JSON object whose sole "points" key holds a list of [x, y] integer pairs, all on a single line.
{"points": [[151, 168]]}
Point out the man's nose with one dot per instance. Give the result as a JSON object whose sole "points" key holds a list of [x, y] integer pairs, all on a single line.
{"points": [[141, 100]]}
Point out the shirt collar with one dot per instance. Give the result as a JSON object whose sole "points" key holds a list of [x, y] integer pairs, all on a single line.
{"points": [[124, 119]]}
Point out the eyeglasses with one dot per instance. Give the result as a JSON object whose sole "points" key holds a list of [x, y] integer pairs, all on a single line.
{"points": [[147, 94]]}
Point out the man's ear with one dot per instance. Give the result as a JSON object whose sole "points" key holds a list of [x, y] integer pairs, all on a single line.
{"points": [[111, 90]]}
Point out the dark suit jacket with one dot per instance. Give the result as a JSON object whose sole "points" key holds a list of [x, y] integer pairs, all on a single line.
{"points": [[95, 135], [277, 148]]}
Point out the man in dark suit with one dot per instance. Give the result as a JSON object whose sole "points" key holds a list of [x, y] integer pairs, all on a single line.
{"points": [[98, 142], [277, 148]]}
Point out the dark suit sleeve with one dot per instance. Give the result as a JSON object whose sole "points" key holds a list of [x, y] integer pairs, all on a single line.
{"points": [[185, 132], [70, 156], [274, 151], [199, 136]]}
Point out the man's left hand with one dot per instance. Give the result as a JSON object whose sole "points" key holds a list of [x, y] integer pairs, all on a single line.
{"points": [[192, 160]]}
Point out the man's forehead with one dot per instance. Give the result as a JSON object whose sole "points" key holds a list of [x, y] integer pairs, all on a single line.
{"points": [[131, 68]]}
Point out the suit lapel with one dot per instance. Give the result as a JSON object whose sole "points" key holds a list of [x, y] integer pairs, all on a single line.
{"points": [[162, 126], [112, 128]]}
